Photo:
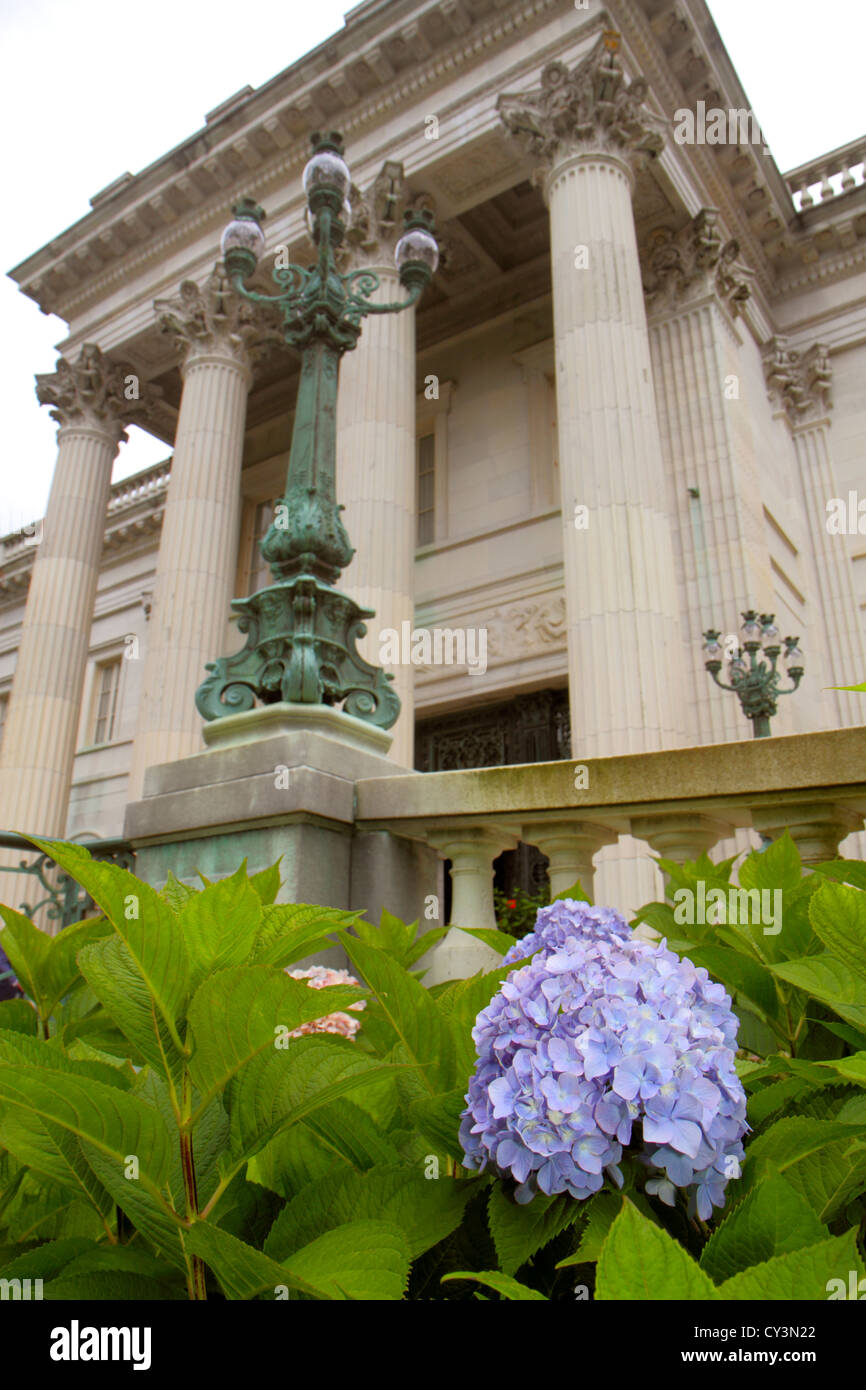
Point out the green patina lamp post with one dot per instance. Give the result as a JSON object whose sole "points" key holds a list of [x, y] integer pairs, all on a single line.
{"points": [[756, 681], [301, 631]]}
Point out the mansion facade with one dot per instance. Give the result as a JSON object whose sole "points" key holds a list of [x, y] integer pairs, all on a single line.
{"points": [[630, 407]]}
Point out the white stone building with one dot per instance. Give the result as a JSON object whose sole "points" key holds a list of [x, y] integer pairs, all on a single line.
{"points": [[618, 417]]}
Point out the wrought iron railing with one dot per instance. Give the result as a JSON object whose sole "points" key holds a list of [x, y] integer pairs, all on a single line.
{"points": [[64, 901]]}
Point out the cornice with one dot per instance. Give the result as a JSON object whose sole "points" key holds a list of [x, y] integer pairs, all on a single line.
{"points": [[178, 190]]}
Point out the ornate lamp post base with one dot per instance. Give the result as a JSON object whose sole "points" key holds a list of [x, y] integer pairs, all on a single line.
{"points": [[300, 649]]}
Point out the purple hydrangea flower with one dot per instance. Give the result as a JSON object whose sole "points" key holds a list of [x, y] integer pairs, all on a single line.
{"points": [[599, 1042]]}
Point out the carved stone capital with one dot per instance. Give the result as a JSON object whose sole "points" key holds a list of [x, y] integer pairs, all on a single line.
{"points": [[678, 267], [801, 383], [213, 318], [377, 218], [589, 109], [93, 392]]}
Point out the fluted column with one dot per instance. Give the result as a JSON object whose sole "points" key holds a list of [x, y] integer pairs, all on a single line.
{"points": [[42, 725], [695, 286], [376, 444], [800, 384], [197, 559], [624, 645]]}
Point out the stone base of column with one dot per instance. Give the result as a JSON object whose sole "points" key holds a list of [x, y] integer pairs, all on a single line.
{"points": [[817, 828]]}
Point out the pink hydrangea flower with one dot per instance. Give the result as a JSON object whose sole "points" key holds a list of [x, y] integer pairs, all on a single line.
{"points": [[321, 977]]}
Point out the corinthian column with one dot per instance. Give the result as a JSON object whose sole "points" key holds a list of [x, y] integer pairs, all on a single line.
{"points": [[198, 548], [42, 726], [587, 126], [376, 443], [800, 385], [695, 288]]}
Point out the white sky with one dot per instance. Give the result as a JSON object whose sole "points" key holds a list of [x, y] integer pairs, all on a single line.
{"points": [[91, 88]]}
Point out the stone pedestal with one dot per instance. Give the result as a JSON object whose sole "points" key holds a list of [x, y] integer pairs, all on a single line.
{"points": [[279, 783]]}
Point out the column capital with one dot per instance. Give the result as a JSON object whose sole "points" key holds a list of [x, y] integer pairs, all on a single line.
{"points": [[589, 109], [680, 267], [92, 393], [800, 382], [212, 320]]}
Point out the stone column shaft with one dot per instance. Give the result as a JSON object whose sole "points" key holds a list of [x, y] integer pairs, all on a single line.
{"points": [[197, 559], [376, 485], [42, 726]]}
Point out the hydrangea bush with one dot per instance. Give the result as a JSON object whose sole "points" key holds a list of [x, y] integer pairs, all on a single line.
{"points": [[599, 1046]]}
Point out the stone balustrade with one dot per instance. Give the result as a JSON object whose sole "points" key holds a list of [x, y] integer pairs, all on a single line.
{"points": [[679, 802], [829, 176], [140, 487]]}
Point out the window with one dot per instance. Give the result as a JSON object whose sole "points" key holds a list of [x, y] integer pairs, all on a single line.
{"points": [[426, 473], [107, 686]]}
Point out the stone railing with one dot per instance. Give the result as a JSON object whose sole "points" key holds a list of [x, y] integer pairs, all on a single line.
{"points": [[679, 802], [140, 487], [829, 176]]}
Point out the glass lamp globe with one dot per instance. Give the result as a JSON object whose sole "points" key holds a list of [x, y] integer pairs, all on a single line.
{"points": [[712, 649], [417, 245], [243, 234], [794, 659], [770, 634], [751, 630], [327, 170]]}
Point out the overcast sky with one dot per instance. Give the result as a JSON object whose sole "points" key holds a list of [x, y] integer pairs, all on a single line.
{"points": [[91, 88]]}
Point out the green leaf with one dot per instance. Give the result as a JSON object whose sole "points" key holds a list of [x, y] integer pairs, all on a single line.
{"points": [[243, 1272], [641, 1262], [107, 1122], [267, 883], [575, 893], [831, 982], [851, 871], [150, 931], [520, 1231], [220, 925], [176, 893], [292, 931], [778, 866], [63, 968], [838, 915], [106, 1287], [48, 1260], [824, 1160], [601, 1211], [18, 1016], [111, 971], [426, 1210], [28, 950], [803, 1276], [413, 1015], [239, 1013], [462, 1002], [502, 1284], [438, 1118], [773, 1220]]}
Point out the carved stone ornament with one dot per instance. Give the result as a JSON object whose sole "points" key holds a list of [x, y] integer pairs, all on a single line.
{"points": [[95, 392], [377, 217], [800, 382], [681, 266], [212, 316], [590, 108]]}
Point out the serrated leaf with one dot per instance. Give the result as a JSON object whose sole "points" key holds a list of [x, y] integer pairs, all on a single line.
{"points": [[489, 936], [111, 971], [641, 1262], [292, 931], [46, 1261], [151, 932], [851, 871], [438, 1118], [773, 1220], [824, 1160], [799, 1277], [414, 1016], [462, 1002], [838, 915], [18, 1016], [831, 982], [425, 1210], [28, 950], [238, 1013], [778, 866], [175, 892], [519, 1232], [267, 883], [107, 1287], [220, 925], [601, 1211], [502, 1284]]}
